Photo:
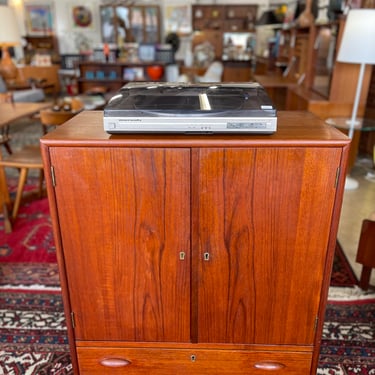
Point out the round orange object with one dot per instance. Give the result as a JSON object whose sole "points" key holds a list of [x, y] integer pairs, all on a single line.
{"points": [[155, 72]]}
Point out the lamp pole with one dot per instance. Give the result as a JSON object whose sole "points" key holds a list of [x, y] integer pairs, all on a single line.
{"points": [[353, 120]]}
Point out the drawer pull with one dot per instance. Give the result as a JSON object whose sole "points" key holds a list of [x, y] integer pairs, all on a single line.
{"points": [[269, 366], [114, 362]]}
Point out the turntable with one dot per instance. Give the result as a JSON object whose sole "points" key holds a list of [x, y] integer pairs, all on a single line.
{"points": [[168, 107]]}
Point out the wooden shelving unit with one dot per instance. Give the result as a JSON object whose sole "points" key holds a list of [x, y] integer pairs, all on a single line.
{"points": [[214, 20], [307, 88], [42, 44], [113, 75]]}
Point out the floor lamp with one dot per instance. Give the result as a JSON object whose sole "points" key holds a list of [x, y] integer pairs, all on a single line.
{"points": [[357, 47], [9, 37]]}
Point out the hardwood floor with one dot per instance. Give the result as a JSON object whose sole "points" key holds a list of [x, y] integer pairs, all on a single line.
{"points": [[358, 205]]}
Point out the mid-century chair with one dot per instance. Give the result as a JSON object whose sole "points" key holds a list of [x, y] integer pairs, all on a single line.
{"points": [[28, 158]]}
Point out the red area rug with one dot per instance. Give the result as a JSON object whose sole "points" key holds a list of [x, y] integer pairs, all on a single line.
{"points": [[27, 254], [31, 239], [342, 274]]}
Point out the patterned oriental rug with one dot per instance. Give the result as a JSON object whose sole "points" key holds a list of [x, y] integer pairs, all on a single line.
{"points": [[33, 337], [348, 344]]}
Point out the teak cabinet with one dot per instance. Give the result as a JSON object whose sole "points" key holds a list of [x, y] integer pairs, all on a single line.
{"points": [[195, 254], [212, 21]]}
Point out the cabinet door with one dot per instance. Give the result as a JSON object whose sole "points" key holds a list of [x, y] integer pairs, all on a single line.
{"points": [[124, 217], [264, 221]]}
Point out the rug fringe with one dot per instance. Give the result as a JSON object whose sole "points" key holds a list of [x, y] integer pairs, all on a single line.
{"points": [[354, 293], [36, 287]]}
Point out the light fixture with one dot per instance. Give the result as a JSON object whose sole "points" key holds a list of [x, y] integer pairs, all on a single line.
{"points": [[9, 37], [357, 47]]}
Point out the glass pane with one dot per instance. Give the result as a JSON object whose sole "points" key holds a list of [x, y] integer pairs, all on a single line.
{"points": [[107, 25], [151, 28], [123, 25], [325, 56], [137, 24]]}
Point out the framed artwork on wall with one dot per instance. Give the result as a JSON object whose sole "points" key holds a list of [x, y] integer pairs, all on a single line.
{"points": [[39, 19], [82, 16]]}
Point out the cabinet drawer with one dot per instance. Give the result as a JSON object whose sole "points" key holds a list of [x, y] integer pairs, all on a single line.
{"points": [[158, 361]]}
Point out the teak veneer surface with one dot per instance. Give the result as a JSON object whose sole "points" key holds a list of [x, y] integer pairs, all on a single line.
{"points": [[206, 254], [87, 128]]}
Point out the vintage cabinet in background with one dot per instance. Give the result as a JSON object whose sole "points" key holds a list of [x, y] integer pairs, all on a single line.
{"points": [[195, 254], [130, 24], [212, 21]]}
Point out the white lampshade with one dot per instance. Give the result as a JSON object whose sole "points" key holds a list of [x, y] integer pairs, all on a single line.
{"points": [[357, 45], [9, 33]]}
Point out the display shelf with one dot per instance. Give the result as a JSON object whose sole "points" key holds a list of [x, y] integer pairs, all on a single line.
{"points": [[112, 76], [214, 20]]}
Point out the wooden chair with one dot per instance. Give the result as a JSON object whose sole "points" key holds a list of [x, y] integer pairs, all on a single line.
{"points": [[5, 97], [25, 159], [366, 252]]}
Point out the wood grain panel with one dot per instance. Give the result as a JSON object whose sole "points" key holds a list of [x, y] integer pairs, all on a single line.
{"points": [[145, 361], [257, 223], [126, 279]]}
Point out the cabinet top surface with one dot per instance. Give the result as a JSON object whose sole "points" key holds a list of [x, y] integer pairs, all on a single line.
{"points": [[297, 128]]}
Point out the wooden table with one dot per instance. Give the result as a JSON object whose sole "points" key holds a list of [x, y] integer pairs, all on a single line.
{"points": [[11, 112]]}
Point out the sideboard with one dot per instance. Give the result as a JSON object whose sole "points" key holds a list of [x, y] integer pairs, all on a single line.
{"points": [[195, 254]]}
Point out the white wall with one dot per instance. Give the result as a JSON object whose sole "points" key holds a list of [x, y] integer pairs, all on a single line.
{"points": [[66, 33]]}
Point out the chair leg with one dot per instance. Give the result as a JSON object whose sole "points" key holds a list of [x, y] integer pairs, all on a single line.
{"points": [[364, 281], [21, 184], [366, 252], [4, 192], [7, 222], [8, 148], [41, 180]]}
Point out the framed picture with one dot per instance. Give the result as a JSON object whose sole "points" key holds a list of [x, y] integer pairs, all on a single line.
{"points": [[82, 16], [39, 20]]}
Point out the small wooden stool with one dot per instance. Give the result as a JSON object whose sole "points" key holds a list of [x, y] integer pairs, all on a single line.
{"points": [[366, 252]]}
